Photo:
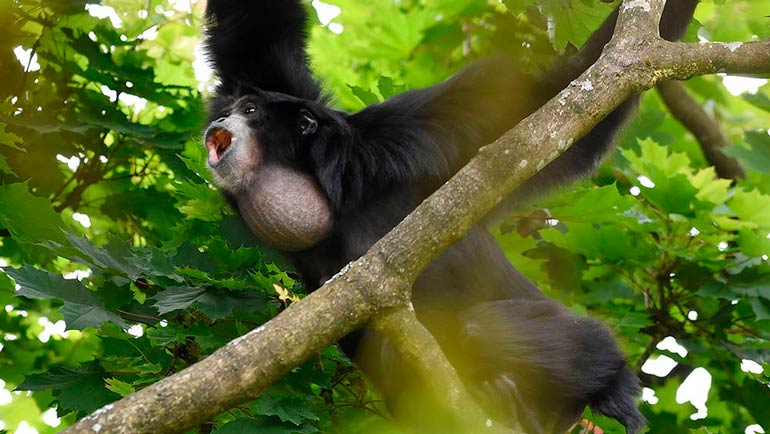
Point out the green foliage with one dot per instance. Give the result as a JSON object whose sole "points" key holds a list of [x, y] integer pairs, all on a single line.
{"points": [[669, 250], [109, 222]]}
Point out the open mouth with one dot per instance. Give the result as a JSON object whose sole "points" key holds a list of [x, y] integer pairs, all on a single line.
{"points": [[218, 141]]}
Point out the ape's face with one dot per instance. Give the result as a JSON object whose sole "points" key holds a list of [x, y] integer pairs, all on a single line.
{"points": [[258, 152]]}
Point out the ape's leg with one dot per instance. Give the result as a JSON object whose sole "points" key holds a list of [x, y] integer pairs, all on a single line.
{"points": [[550, 363]]}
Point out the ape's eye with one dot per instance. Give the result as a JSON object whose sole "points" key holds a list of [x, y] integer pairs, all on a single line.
{"points": [[249, 108], [307, 123]]}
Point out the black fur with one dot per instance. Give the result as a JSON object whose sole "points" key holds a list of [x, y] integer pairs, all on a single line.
{"points": [[529, 361]]}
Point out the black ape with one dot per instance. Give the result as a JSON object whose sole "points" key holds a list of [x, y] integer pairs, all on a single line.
{"points": [[324, 185]]}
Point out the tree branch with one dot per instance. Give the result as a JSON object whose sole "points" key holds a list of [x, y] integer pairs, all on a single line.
{"points": [[230, 375], [421, 351], [687, 111], [635, 60]]}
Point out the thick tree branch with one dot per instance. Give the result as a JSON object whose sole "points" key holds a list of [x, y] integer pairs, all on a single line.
{"points": [[687, 111], [421, 351], [635, 60], [678, 61], [230, 376]]}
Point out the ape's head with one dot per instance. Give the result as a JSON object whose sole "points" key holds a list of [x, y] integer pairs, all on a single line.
{"points": [[259, 152]]}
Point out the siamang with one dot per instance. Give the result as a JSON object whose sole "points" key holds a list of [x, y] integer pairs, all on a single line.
{"points": [[323, 185]]}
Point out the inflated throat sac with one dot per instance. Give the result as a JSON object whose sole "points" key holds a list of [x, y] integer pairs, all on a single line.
{"points": [[286, 209]]}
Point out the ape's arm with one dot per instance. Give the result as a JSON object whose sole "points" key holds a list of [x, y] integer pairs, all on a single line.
{"points": [[260, 43], [430, 133], [420, 138]]}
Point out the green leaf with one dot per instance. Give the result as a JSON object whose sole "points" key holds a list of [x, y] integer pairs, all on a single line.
{"points": [[263, 426], [203, 203], [120, 387], [753, 243], [635, 320], [710, 189], [592, 205], [202, 209], [289, 409], [115, 257], [213, 302], [12, 141], [757, 155], [761, 306], [28, 217], [758, 100], [388, 88], [177, 298], [752, 207], [608, 242], [573, 21], [202, 333], [656, 159], [9, 139], [194, 158], [715, 289], [80, 390], [365, 96], [82, 308]]}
